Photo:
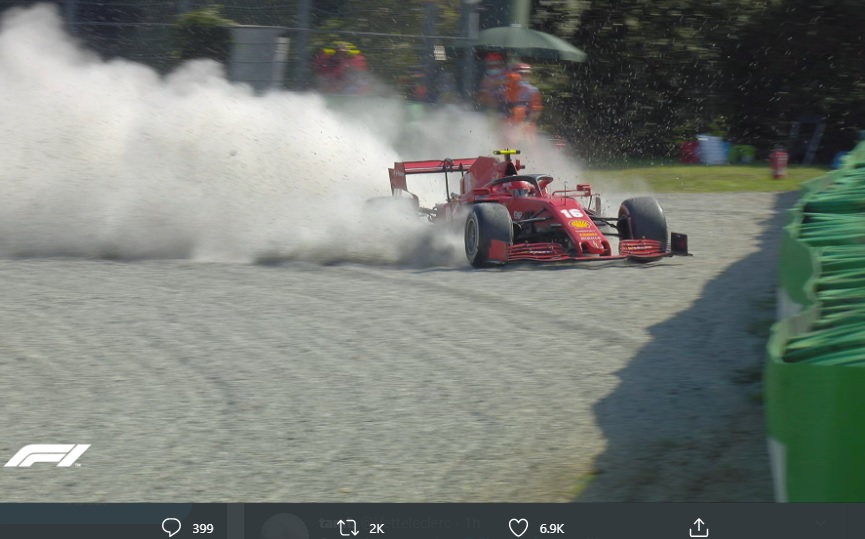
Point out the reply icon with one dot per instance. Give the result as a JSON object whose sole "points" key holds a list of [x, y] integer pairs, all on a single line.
{"points": [[171, 526]]}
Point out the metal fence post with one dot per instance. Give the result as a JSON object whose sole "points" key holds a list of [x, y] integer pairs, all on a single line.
{"points": [[470, 30], [70, 12], [301, 66]]}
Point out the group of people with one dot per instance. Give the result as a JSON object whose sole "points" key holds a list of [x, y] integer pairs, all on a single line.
{"points": [[508, 92], [505, 91], [342, 69]]}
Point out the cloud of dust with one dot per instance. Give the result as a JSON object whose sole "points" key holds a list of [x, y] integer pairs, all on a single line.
{"points": [[614, 191], [108, 159]]}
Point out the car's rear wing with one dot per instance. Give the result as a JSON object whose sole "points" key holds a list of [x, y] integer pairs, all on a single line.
{"points": [[401, 169]]}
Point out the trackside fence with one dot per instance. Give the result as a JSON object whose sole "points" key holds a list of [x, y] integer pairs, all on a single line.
{"points": [[815, 369]]}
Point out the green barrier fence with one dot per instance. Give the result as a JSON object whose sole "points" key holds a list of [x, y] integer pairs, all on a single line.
{"points": [[815, 370]]}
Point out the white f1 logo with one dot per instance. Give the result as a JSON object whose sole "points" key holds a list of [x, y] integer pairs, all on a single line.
{"points": [[64, 455]]}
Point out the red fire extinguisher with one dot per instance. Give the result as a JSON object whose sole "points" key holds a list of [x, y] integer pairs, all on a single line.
{"points": [[778, 160]]}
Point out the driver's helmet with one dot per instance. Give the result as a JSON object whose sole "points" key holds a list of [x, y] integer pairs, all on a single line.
{"points": [[520, 189]]}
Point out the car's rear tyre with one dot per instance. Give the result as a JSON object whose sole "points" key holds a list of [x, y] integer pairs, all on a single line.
{"points": [[642, 218], [485, 224]]}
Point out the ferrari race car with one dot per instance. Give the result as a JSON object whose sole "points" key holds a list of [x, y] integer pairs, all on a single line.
{"points": [[508, 216]]}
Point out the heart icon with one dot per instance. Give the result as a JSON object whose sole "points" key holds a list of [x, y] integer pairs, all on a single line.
{"points": [[518, 526]]}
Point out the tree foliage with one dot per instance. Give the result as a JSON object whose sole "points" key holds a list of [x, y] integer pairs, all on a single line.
{"points": [[661, 71], [203, 33], [652, 75], [812, 62]]}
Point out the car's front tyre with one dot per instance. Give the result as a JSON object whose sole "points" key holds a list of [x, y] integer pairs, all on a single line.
{"points": [[489, 231], [643, 218]]}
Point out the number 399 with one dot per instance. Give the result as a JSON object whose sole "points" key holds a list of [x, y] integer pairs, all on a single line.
{"points": [[202, 528]]}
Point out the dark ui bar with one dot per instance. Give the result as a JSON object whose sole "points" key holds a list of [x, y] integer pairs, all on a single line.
{"points": [[431, 521]]}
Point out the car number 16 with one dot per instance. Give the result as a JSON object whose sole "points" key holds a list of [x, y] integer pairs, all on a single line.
{"points": [[572, 212]]}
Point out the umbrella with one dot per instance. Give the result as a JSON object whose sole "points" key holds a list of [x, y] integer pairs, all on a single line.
{"points": [[529, 43]]}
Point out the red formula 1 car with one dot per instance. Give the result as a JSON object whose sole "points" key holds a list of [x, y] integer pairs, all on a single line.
{"points": [[509, 216]]}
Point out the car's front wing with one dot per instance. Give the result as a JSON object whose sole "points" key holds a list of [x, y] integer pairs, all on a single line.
{"points": [[642, 250]]}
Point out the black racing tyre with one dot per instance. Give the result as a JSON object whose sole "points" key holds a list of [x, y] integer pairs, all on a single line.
{"points": [[642, 218], [484, 224]]}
